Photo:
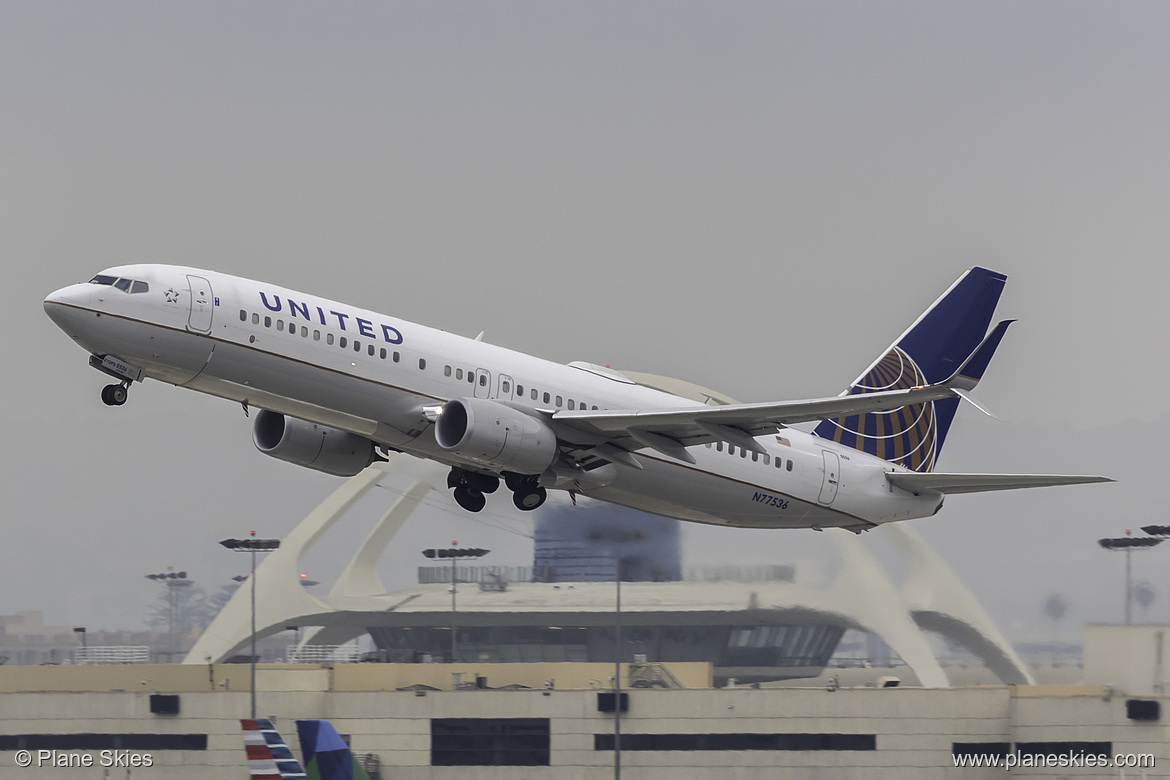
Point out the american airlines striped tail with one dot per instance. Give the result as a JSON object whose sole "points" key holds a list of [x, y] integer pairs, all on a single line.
{"points": [[948, 344], [268, 757]]}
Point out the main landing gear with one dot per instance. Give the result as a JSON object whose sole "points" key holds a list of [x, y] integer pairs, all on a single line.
{"points": [[471, 486], [115, 395]]}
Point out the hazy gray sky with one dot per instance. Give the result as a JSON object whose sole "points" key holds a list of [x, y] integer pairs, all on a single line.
{"points": [[756, 197]]}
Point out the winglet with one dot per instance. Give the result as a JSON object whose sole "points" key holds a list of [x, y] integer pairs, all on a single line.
{"points": [[973, 367]]}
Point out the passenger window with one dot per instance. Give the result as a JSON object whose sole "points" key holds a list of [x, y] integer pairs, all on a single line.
{"points": [[534, 394], [123, 285], [255, 319], [446, 370], [790, 465], [742, 452], [730, 449], [292, 328], [458, 373], [280, 324], [570, 403], [316, 335], [243, 316], [267, 322], [422, 364], [304, 332], [767, 459], [483, 380], [342, 341], [558, 400], [595, 408], [506, 388], [470, 376], [396, 357], [357, 346], [370, 350], [139, 287], [520, 390], [383, 353], [547, 397], [755, 456], [329, 338], [719, 446]]}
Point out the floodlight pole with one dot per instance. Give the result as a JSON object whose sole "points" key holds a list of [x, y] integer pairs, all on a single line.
{"points": [[617, 674], [252, 544], [1129, 544], [454, 554]]}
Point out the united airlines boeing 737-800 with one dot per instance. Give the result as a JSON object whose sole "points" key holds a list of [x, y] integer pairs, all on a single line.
{"points": [[333, 385]]}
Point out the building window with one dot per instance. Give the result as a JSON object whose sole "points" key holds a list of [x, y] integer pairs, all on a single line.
{"points": [[490, 742], [749, 741]]}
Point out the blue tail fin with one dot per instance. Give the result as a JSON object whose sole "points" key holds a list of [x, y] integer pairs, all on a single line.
{"points": [[934, 349], [327, 757]]}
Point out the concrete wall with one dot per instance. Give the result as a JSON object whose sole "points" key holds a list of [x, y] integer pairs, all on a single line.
{"points": [[914, 728], [1132, 659]]}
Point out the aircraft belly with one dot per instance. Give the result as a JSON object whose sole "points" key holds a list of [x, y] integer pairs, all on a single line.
{"points": [[309, 392], [148, 346], [699, 496]]}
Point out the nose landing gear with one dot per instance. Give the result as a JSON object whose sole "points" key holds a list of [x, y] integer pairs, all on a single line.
{"points": [[114, 395]]}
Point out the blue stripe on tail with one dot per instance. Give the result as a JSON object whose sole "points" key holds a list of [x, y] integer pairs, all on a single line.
{"points": [[931, 351]]}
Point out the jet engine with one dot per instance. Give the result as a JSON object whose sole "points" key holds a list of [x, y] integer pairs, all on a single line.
{"points": [[313, 446], [497, 436]]}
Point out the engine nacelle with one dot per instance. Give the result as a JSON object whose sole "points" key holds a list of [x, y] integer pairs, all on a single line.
{"points": [[496, 436], [313, 446]]}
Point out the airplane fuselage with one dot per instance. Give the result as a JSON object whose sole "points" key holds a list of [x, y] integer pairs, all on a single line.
{"points": [[381, 378]]}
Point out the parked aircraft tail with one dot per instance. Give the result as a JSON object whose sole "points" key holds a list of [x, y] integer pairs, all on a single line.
{"points": [[948, 344], [326, 755], [268, 757]]}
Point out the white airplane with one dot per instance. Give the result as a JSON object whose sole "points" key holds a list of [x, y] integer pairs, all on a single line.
{"points": [[334, 385]]}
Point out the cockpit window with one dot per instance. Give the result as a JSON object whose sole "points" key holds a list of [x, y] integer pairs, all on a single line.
{"points": [[123, 285], [131, 286], [139, 287], [102, 279]]}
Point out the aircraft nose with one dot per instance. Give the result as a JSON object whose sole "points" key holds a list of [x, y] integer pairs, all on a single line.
{"points": [[61, 304]]}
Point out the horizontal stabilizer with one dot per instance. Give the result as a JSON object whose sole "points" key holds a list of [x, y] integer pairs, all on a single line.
{"points": [[982, 483]]}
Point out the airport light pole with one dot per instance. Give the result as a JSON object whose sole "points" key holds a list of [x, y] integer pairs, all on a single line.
{"points": [[454, 553], [252, 545], [1128, 544], [172, 579]]}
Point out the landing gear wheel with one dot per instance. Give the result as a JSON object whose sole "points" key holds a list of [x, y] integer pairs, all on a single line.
{"points": [[529, 498], [471, 500], [484, 483], [114, 395]]}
